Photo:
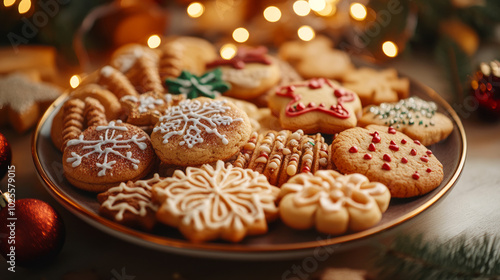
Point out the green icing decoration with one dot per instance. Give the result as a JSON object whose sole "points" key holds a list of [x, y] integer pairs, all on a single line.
{"points": [[209, 85]]}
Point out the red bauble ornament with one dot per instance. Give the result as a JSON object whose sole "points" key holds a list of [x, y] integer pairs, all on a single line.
{"points": [[36, 235], [5, 155], [485, 88]]}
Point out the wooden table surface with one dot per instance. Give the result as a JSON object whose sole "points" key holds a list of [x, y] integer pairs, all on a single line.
{"points": [[471, 207]]}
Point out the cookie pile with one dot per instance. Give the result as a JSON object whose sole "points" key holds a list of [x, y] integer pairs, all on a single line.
{"points": [[221, 148]]}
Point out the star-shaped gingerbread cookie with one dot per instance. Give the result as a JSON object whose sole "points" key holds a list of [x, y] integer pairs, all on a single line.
{"points": [[377, 86], [317, 105]]}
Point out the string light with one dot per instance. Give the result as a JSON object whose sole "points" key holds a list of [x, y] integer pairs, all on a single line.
{"points": [[228, 51], [272, 14], [390, 49], [195, 9], [358, 11], [24, 6], [154, 41], [306, 33], [301, 8], [8, 3], [329, 10], [74, 81], [240, 35], [317, 5]]}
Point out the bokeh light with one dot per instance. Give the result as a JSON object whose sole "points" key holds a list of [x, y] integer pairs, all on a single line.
{"points": [[195, 9], [24, 6], [306, 33], [390, 49], [301, 8], [358, 11], [228, 51], [154, 41], [317, 5], [240, 35], [74, 81], [272, 14]]}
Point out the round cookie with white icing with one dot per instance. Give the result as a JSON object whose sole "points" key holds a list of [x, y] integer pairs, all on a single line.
{"points": [[251, 73], [332, 203], [200, 130], [209, 203], [104, 156]]}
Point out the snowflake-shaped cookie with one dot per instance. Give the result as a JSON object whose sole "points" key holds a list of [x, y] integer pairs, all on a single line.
{"points": [[208, 203], [317, 105], [332, 203], [209, 85]]}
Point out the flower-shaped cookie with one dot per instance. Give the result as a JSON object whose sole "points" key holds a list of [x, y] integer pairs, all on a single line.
{"points": [[207, 203], [332, 203], [317, 105]]}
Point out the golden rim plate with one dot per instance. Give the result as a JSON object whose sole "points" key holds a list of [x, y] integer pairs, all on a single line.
{"points": [[280, 242]]}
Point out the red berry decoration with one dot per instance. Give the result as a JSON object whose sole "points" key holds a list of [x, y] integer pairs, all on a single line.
{"points": [[5, 155], [31, 232], [485, 88]]}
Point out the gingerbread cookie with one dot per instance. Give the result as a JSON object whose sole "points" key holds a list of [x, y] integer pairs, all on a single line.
{"points": [[191, 86], [199, 131], [130, 204], [413, 116], [116, 82], [208, 203], [316, 58], [386, 155], [147, 108], [251, 72], [332, 203], [317, 105], [377, 86], [103, 156]]}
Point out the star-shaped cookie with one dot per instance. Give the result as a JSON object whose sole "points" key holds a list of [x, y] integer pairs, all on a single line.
{"points": [[209, 85], [317, 105]]}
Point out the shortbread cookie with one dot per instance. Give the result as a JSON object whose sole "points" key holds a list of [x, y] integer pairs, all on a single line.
{"points": [[316, 58], [332, 203], [209, 203], [191, 86], [147, 108], [103, 156], [130, 204], [251, 72], [413, 116], [388, 156], [377, 86], [140, 65], [116, 82], [317, 105], [199, 131]]}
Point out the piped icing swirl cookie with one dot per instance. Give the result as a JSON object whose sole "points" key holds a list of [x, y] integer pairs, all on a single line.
{"points": [[209, 202], [332, 203]]}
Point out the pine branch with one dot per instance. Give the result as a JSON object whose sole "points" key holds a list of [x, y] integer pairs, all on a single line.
{"points": [[411, 257]]}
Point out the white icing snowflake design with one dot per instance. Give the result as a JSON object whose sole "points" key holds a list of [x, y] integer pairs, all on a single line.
{"points": [[188, 116], [119, 147], [144, 102]]}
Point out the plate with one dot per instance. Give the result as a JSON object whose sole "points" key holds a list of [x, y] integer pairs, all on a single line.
{"points": [[280, 242]]}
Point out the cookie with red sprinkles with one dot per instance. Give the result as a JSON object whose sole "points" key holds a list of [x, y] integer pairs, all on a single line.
{"points": [[386, 155]]}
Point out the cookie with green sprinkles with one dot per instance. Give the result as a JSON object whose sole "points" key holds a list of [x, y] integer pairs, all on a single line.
{"points": [[413, 116]]}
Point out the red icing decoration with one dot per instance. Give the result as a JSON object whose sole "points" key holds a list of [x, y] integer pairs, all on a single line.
{"points": [[306, 169], [311, 104], [376, 137], [367, 156], [428, 170], [404, 160], [424, 159], [263, 154], [338, 110], [413, 152], [372, 147], [403, 141], [415, 175], [417, 142], [429, 152], [394, 147], [300, 106], [392, 130], [387, 157], [243, 56], [353, 149], [392, 142], [386, 166]]}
